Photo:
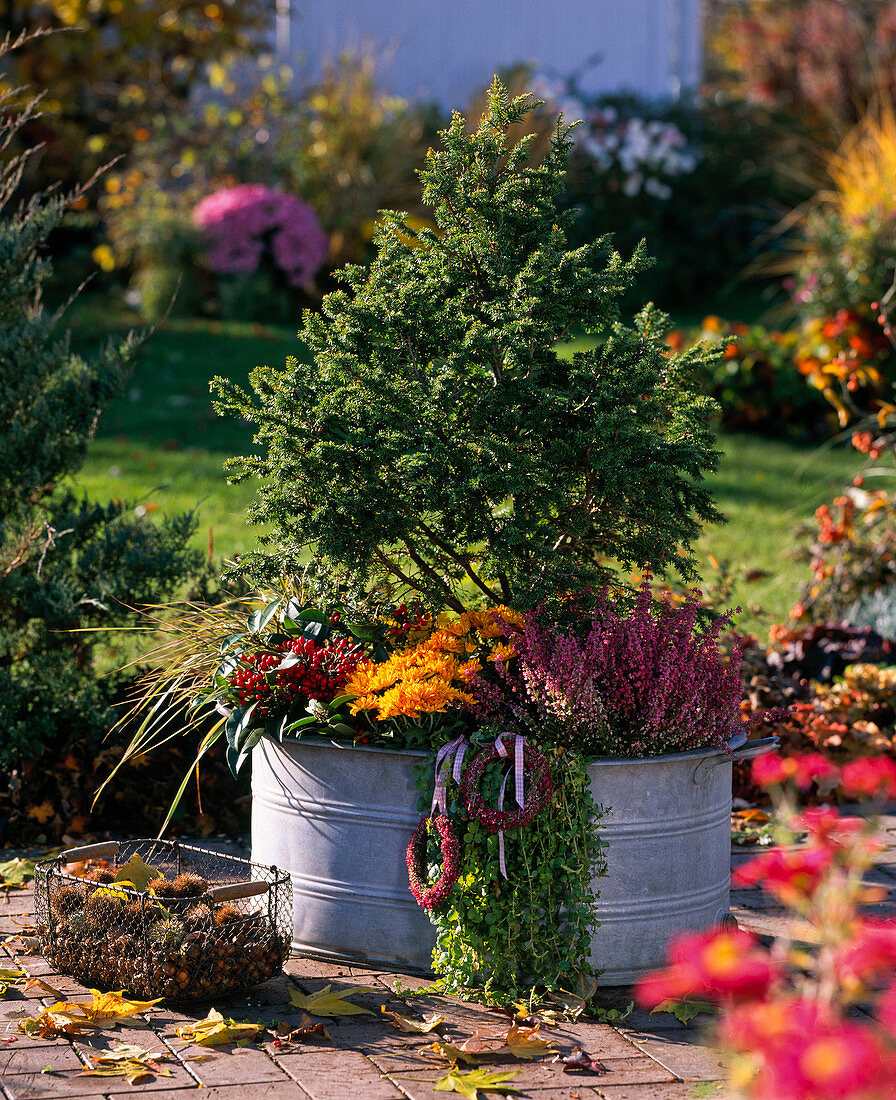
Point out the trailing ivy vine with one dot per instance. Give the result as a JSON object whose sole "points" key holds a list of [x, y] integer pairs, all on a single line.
{"points": [[501, 937]]}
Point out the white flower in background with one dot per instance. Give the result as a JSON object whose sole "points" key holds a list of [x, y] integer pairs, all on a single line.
{"points": [[647, 152], [659, 190]]}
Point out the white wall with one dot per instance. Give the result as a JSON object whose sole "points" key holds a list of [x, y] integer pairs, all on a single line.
{"points": [[444, 49]]}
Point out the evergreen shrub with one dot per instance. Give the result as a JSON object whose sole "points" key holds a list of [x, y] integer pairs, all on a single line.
{"points": [[66, 564], [439, 443]]}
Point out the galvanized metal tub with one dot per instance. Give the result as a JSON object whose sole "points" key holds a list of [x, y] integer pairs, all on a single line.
{"points": [[668, 856], [338, 818]]}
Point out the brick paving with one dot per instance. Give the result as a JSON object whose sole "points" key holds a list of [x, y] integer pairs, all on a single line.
{"points": [[646, 1057]]}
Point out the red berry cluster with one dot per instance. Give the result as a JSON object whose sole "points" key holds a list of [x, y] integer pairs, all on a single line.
{"points": [[251, 684], [319, 673], [406, 619]]}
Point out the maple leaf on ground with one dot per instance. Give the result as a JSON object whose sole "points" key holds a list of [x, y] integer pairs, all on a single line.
{"points": [[483, 1041], [72, 1017], [285, 1034], [15, 873], [476, 1081], [685, 1011], [41, 813], [452, 1053], [411, 1026], [215, 1031], [136, 873], [526, 1043], [329, 1002], [580, 1062], [127, 1060]]}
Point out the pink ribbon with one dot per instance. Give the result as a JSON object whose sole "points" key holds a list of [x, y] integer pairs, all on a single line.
{"points": [[456, 748], [519, 778]]}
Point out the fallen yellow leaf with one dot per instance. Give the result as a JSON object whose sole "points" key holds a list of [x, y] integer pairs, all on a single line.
{"points": [[7, 977], [476, 1081], [452, 1053], [127, 1060], [329, 1002], [410, 1025], [136, 873], [215, 1031], [526, 1043], [71, 1017]]}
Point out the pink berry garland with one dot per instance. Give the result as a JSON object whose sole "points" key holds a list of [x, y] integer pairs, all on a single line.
{"points": [[432, 895], [539, 785]]}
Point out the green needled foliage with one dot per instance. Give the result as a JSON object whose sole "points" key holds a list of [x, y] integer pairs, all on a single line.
{"points": [[438, 443], [66, 564]]}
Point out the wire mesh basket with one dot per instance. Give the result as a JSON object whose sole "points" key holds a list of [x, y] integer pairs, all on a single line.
{"points": [[193, 925]]}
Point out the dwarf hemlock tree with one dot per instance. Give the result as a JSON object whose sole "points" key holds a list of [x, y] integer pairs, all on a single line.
{"points": [[65, 563], [438, 441]]}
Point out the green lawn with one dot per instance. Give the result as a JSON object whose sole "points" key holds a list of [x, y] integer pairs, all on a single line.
{"points": [[162, 447]]}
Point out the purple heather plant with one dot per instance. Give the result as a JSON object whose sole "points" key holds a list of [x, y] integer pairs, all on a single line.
{"points": [[635, 682]]}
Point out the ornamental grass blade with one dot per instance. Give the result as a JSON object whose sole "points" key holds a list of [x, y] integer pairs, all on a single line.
{"points": [[476, 1081], [329, 1002], [411, 1026], [127, 1060], [216, 1031]]}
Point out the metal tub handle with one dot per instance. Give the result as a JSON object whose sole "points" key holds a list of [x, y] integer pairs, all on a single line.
{"points": [[746, 751], [752, 749]]}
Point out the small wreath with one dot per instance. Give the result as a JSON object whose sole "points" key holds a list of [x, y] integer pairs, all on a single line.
{"points": [[431, 895], [539, 785]]}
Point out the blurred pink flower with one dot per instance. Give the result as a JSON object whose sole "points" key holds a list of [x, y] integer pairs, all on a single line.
{"points": [[239, 222], [792, 876], [869, 776], [722, 965]]}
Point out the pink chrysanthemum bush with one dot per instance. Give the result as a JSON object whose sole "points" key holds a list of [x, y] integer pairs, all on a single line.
{"points": [[245, 224], [813, 1016], [635, 681]]}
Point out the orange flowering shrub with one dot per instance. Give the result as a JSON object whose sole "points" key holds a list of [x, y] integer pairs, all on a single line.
{"points": [[758, 383], [430, 676], [784, 1022]]}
